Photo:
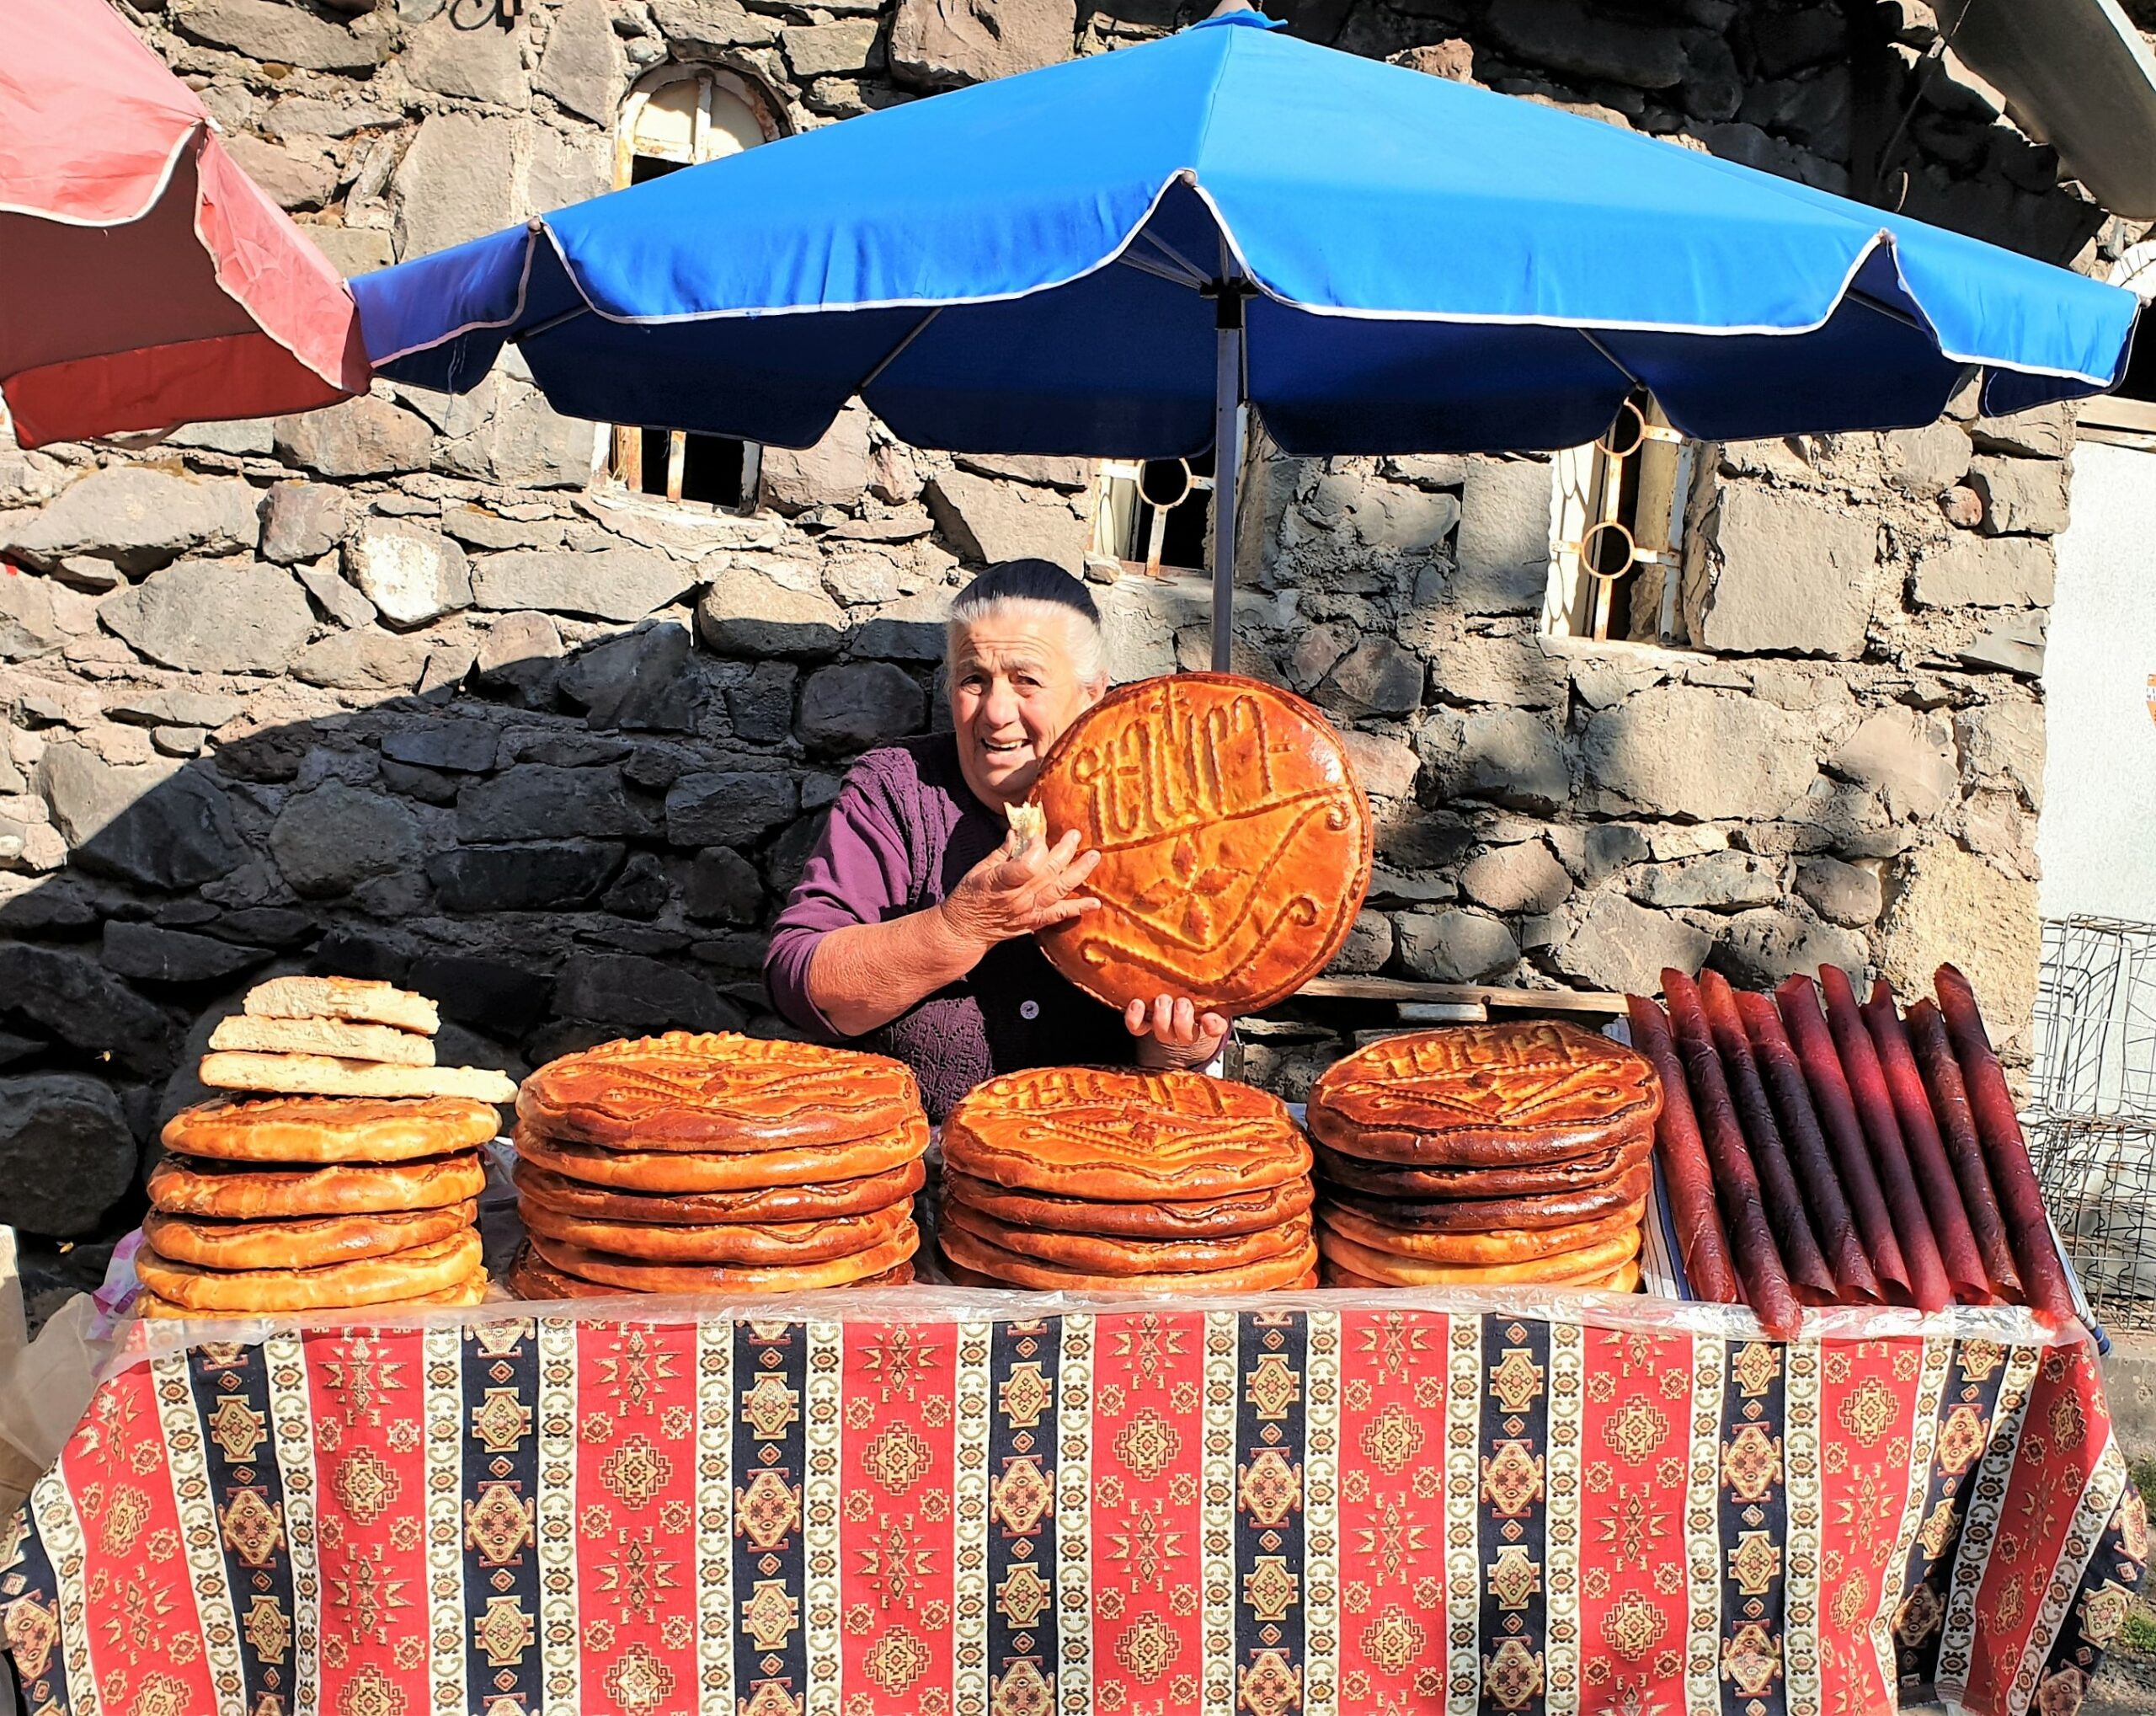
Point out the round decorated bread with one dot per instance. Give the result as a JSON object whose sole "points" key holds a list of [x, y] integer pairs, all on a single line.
{"points": [[1202, 1218], [531, 1277], [695, 1172], [470, 1291], [198, 1185], [1625, 1279], [1592, 1263], [289, 1242], [761, 1244], [718, 1091], [1235, 841], [1493, 1245], [300, 1129], [433, 1267], [638, 1275], [1131, 1137], [1487, 1215], [1091, 1253], [1390, 1179], [970, 1252], [1490, 1095], [542, 1189]]}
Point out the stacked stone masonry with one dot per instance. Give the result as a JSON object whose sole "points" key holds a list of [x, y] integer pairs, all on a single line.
{"points": [[402, 689]]}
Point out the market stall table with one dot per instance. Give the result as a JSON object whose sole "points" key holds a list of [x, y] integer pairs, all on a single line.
{"points": [[991, 1504]]}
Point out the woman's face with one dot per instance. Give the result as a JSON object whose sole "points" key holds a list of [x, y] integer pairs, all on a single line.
{"points": [[1014, 688]]}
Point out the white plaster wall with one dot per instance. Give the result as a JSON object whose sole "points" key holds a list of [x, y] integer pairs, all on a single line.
{"points": [[2097, 835]]}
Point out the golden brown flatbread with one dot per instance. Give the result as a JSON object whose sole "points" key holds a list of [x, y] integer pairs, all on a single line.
{"points": [[342, 1038], [696, 1173], [343, 997], [325, 1075], [1391, 1180], [1500, 1245], [1624, 1280], [290, 1129], [471, 1292], [1204, 1218], [1235, 841], [968, 1251], [531, 1277], [406, 1274], [962, 1277], [740, 1244], [196, 1185], [1592, 1264], [718, 1092], [541, 1188], [1487, 1215], [632, 1275], [1102, 1133], [1094, 1254], [1491, 1095], [304, 1242]]}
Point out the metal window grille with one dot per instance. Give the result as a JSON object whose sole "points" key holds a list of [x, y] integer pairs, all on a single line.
{"points": [[1154, 513], [1618, 531]]}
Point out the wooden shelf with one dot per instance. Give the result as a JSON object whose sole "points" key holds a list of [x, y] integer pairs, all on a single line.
{"points": [[1587, 1000]]}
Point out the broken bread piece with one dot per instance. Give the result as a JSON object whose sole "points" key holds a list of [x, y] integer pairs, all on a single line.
{"points": [[341, 1037], [326, 1074], [343, 997], [1029, 823]]}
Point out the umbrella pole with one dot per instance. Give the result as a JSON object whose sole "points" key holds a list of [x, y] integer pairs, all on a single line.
{"points": [[1227, 460]]}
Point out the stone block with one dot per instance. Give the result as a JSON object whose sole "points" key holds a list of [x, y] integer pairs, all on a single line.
{"points": [[909, 629], [1905, 756], [150, 954], [1386, 767], [67, 1153], [640, 995], [642, 680], [1947, 904], [214, 616], [1453, 946], [362, 438], [728, 807], [136, 519], [78, 1000], [519, 655], [1503, 550], [1687, 752], [1377, 677], [173, 706], [284, 34], [1521, 878], [1788, 575], [561, 875], [1595, 853], [298, 175], [611, 584], [301, 521], [491, 994], [1368, 948], [942, 44], [1722, 881], [363, 661], [845, 48], [538, 801], [986, 521], [1928, 461], [351, 250], [585, 67], [642, 891], [339, 600], [1452, 59], [1566, 36], [565, 168], [1071, 475], [2044, 433], [411, 573], [1848, 894], [746, 613], [469, 53], [1516, 670], [1621, 946], [1782, 41], [849, 707], [761, 705], [161, 827], [461, 747], [2004, 740], [1510, 757], [29, 626], [1139, 618], [1973, 571], [327, 840], [2014, 645], [457, 181], [707, 26], [1759, 949], [835, 471], [2020, 497], [722, 887]]}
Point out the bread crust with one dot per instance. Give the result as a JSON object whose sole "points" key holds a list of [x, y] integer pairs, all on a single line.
{"points": [[697, 1173], [541, 1188], [746, 1245], [302, 1129], [1484, 1215], [717, 1092], [197, 1185], [1008, 1268], [1485, 1096], [310, 1243], [1387, 1180], [326, 1075], [1623, 1280], [1501, 1245], [343, 997], [1097, 1255], [1236, 841], [346, 1039], [433, 1267], [531, 1277], [468, 1292], [1112, 1135], [1592, 1264], [632, 1275], [1204, 1218]]}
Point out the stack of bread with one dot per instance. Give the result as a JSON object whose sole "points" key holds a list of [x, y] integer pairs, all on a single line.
{"points": [[716, 1164], [345, 1178], [1087, 1180], [1496, 1155]]}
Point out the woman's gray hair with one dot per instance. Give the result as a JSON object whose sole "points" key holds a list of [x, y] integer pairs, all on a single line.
{"points": [[1038, 589]]}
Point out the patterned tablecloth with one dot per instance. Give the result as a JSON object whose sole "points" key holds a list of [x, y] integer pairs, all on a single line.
{"points": [[906, 1503]]}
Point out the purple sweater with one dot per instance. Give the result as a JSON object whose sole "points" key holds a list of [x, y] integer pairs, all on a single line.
{"points": [[904, 829]]}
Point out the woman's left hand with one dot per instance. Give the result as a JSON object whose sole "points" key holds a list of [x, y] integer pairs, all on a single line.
{"points": [[1172, 1032]]}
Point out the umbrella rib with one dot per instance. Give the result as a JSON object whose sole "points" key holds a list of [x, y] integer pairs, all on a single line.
{"points": [[1587, 334], [551, 324], [1197, 275], [897, 351], [1145, 265]]}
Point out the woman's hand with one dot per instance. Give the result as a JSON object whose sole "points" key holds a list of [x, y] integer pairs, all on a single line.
{"points": [[1172, 1032], [1013, 892]]}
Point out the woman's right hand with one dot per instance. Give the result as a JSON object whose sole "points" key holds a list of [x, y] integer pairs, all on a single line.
{"points": [[1012, 893]]}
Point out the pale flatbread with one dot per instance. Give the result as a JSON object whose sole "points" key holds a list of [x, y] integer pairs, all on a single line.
{"points": [[323, 1037], [1029, 822], [343, 997], [325, 1075]]}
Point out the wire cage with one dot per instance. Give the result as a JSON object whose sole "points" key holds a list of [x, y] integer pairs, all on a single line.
{"points": [[2091, 1119]]}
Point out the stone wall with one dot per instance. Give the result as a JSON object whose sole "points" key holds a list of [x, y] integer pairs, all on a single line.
{"points": [[398, 689]]}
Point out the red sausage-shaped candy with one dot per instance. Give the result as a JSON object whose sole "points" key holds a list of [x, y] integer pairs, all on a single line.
{"points": [[1686, 1175]]}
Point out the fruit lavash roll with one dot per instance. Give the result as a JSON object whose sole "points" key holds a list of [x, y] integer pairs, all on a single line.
{"points": [[1685, 1173], [1957, 1124]]}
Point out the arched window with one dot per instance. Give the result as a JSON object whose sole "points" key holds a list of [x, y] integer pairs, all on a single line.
{"points": [[676, 117]]}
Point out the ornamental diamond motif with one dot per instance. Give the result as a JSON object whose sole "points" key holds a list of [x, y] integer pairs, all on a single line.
{"points": [[1391, 1439], [1022, 1691], [1394, 1640], [638, 1681], [1633, 1626], [503, 1632], [255, 1529], [1020, 1497], [897, 1458], [1960, 1439], [1269, 1589], [1512, 1480], [1752, 1464], [501, 1420], [237, 1428], [1025, 1396], [1635, 1430], [1516, 1380], [1270, 1487], [770, 1407], [1270, 1686], [1147, 1445], [1757, 1363], [268, 1629], [1755, 1563], [1273, 1387], [1515, 1578], [896, 1660], [498, 1524], [767, 1510], [366, 1483], [1513, 1675], [771, 1614], [1025, 1596], [635, 1473]]}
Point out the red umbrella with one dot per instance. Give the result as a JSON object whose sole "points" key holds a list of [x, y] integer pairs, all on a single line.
{"points": [[145, 280]]}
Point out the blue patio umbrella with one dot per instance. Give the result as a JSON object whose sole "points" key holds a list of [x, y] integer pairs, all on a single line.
{"points": [[1110, 257]]}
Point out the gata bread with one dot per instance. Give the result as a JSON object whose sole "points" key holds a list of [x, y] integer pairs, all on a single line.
{"points": [[1484, 1215], [1202, 1218], [1388, 1180], [696, 1173], [198, 1185], [1500, 1245], [1102, 1133], [1235, 841], [541, 1189], [1489, 1095], [758, 1244], [432, 1268], [718, 1092], [301, 1129], [1591, 1263], [300, 1243], [471, 1292], [636, 1275], [983, 1258], [1625, 1278], [531, 1277], [1093, 1254]]}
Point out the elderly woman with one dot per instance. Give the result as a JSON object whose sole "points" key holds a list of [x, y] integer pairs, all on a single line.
{"points": [[911, 930]]}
